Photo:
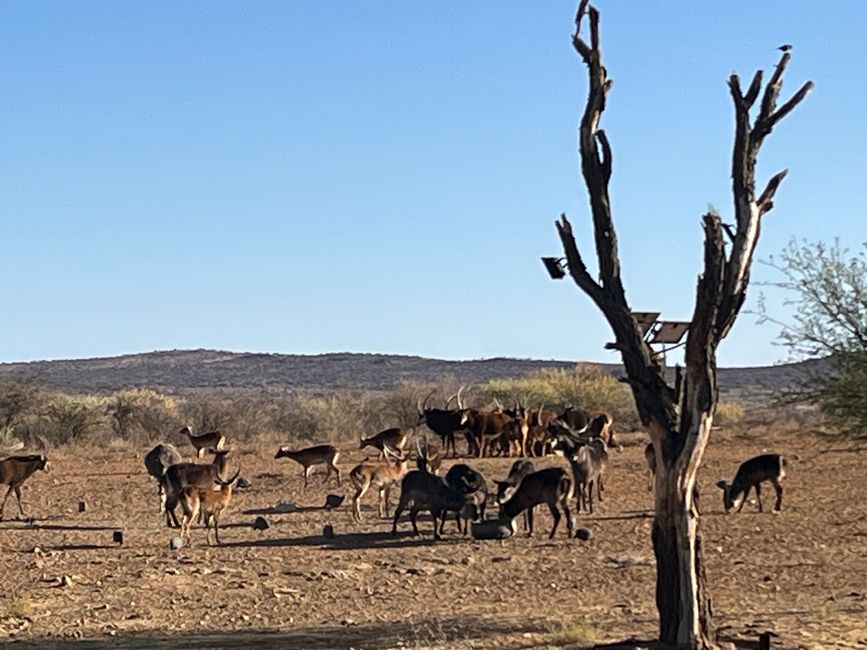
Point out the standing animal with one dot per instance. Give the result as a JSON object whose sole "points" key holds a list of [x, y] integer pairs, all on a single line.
{"points": [[382, 475], [650, 459], [160, 458], [463, 478], [551, 486], [213, 440], [444, 422], [426, 491], [602, 425], [505, 489], [484, 428], [395, 439], [576, 419], [183, 475], [751, 473], [208, 502], [588, 464], [318, 455], [14, 470]]}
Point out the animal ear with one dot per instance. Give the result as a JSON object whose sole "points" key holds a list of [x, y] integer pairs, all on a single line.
{"points": [[722, 484]]}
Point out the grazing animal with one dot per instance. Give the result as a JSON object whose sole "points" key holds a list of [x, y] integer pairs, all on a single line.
{"points": [[213, 440], [379, 474], [183, 475], [319, 455], [463, 478], [426, 491], [17, 469], [484, 428], [395, 439], [751, 473], [588, 465], [551, 486], [208, 502], [519, 469], [160, 458]]}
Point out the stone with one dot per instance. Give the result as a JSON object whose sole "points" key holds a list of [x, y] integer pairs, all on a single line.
{"points": [[584, 534], [261, 524], [175, 543]]}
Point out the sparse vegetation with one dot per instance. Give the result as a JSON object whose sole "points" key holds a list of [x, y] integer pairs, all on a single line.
{"points": [[826, 288]]}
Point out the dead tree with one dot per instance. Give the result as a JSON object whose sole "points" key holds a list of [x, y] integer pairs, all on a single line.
{"points": [[677, 417]]}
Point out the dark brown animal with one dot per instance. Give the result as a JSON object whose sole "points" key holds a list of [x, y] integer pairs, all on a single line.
{"points": [[17, 469], [484, 428], [444, 422], [395, 439], [551, 486], [183, 475], [751, 473]]}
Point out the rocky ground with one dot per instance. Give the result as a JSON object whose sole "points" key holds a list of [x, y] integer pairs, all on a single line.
{"points": [[802, 573]]}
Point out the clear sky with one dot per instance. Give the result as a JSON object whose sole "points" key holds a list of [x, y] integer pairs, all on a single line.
{"points": [[306, 177]]}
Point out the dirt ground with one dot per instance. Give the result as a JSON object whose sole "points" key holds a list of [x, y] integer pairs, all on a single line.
{"points": [[802, 573]]}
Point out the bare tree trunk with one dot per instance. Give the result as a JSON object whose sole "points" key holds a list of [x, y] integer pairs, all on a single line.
{"points": [[678, 418]]}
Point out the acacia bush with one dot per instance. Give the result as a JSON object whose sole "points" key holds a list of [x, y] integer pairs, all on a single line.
{"points": [[142, 415]]}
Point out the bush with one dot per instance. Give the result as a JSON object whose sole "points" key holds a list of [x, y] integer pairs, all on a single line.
{"points": [[142, 415], [70, 418], [728, 413]]}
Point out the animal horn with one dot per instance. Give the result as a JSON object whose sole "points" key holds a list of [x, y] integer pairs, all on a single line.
{"points": [[423, 406], [231, 480], [460, 399], [449, 400]]}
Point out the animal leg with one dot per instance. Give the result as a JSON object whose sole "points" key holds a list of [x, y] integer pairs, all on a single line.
{"points": [[306, 474], [759, 495], [555, 513], [401, 504], [413, 517], [18, 496], [529, 522], [3, 507], [779, 489], [435, 515], [356, 500], [570, 524], [744, 499], [590, 495], [216, 519]]}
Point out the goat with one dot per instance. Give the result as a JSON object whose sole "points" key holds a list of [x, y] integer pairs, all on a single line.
{"points": [[650, 459], [394, 439], [17, 469], [208, 502], [751, 473], [319, 455], [183, 475], [588, 465], [428, 461], [213, 440], [552, 486], [160, 458], [463, 478], [427, 491], [379, 474]]}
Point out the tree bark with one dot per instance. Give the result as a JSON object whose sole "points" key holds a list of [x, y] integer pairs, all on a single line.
{"points": [[678, 419]]}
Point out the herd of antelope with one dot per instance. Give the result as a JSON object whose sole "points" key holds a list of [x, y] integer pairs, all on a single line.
{"points": [[204, 491]]}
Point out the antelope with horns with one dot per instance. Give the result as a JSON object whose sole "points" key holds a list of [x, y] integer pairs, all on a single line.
{"points": [[395, 439], [551, 486], [208, 502], [382, 474], [183, 475]]}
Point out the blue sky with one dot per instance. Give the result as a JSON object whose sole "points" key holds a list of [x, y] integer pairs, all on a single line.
{"points": [[307, 177]]}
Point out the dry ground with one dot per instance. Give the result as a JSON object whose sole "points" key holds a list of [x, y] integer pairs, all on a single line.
{"points": [[802, 573]]}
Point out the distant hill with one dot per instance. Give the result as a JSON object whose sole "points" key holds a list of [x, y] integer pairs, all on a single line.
{"points": [[192, 370]]}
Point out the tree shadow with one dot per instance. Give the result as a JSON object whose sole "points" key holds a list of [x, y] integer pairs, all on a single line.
{"points": [[434, 632]]}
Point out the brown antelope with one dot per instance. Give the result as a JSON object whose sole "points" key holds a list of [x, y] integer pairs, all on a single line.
{"points": [[551, 486], [485, 428], [382, 474], [751, 473], [14, 470], [319, 455], [183, 475], [208, 502], [213, 440], [505, 489], [395, 439], [588, 465]]}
